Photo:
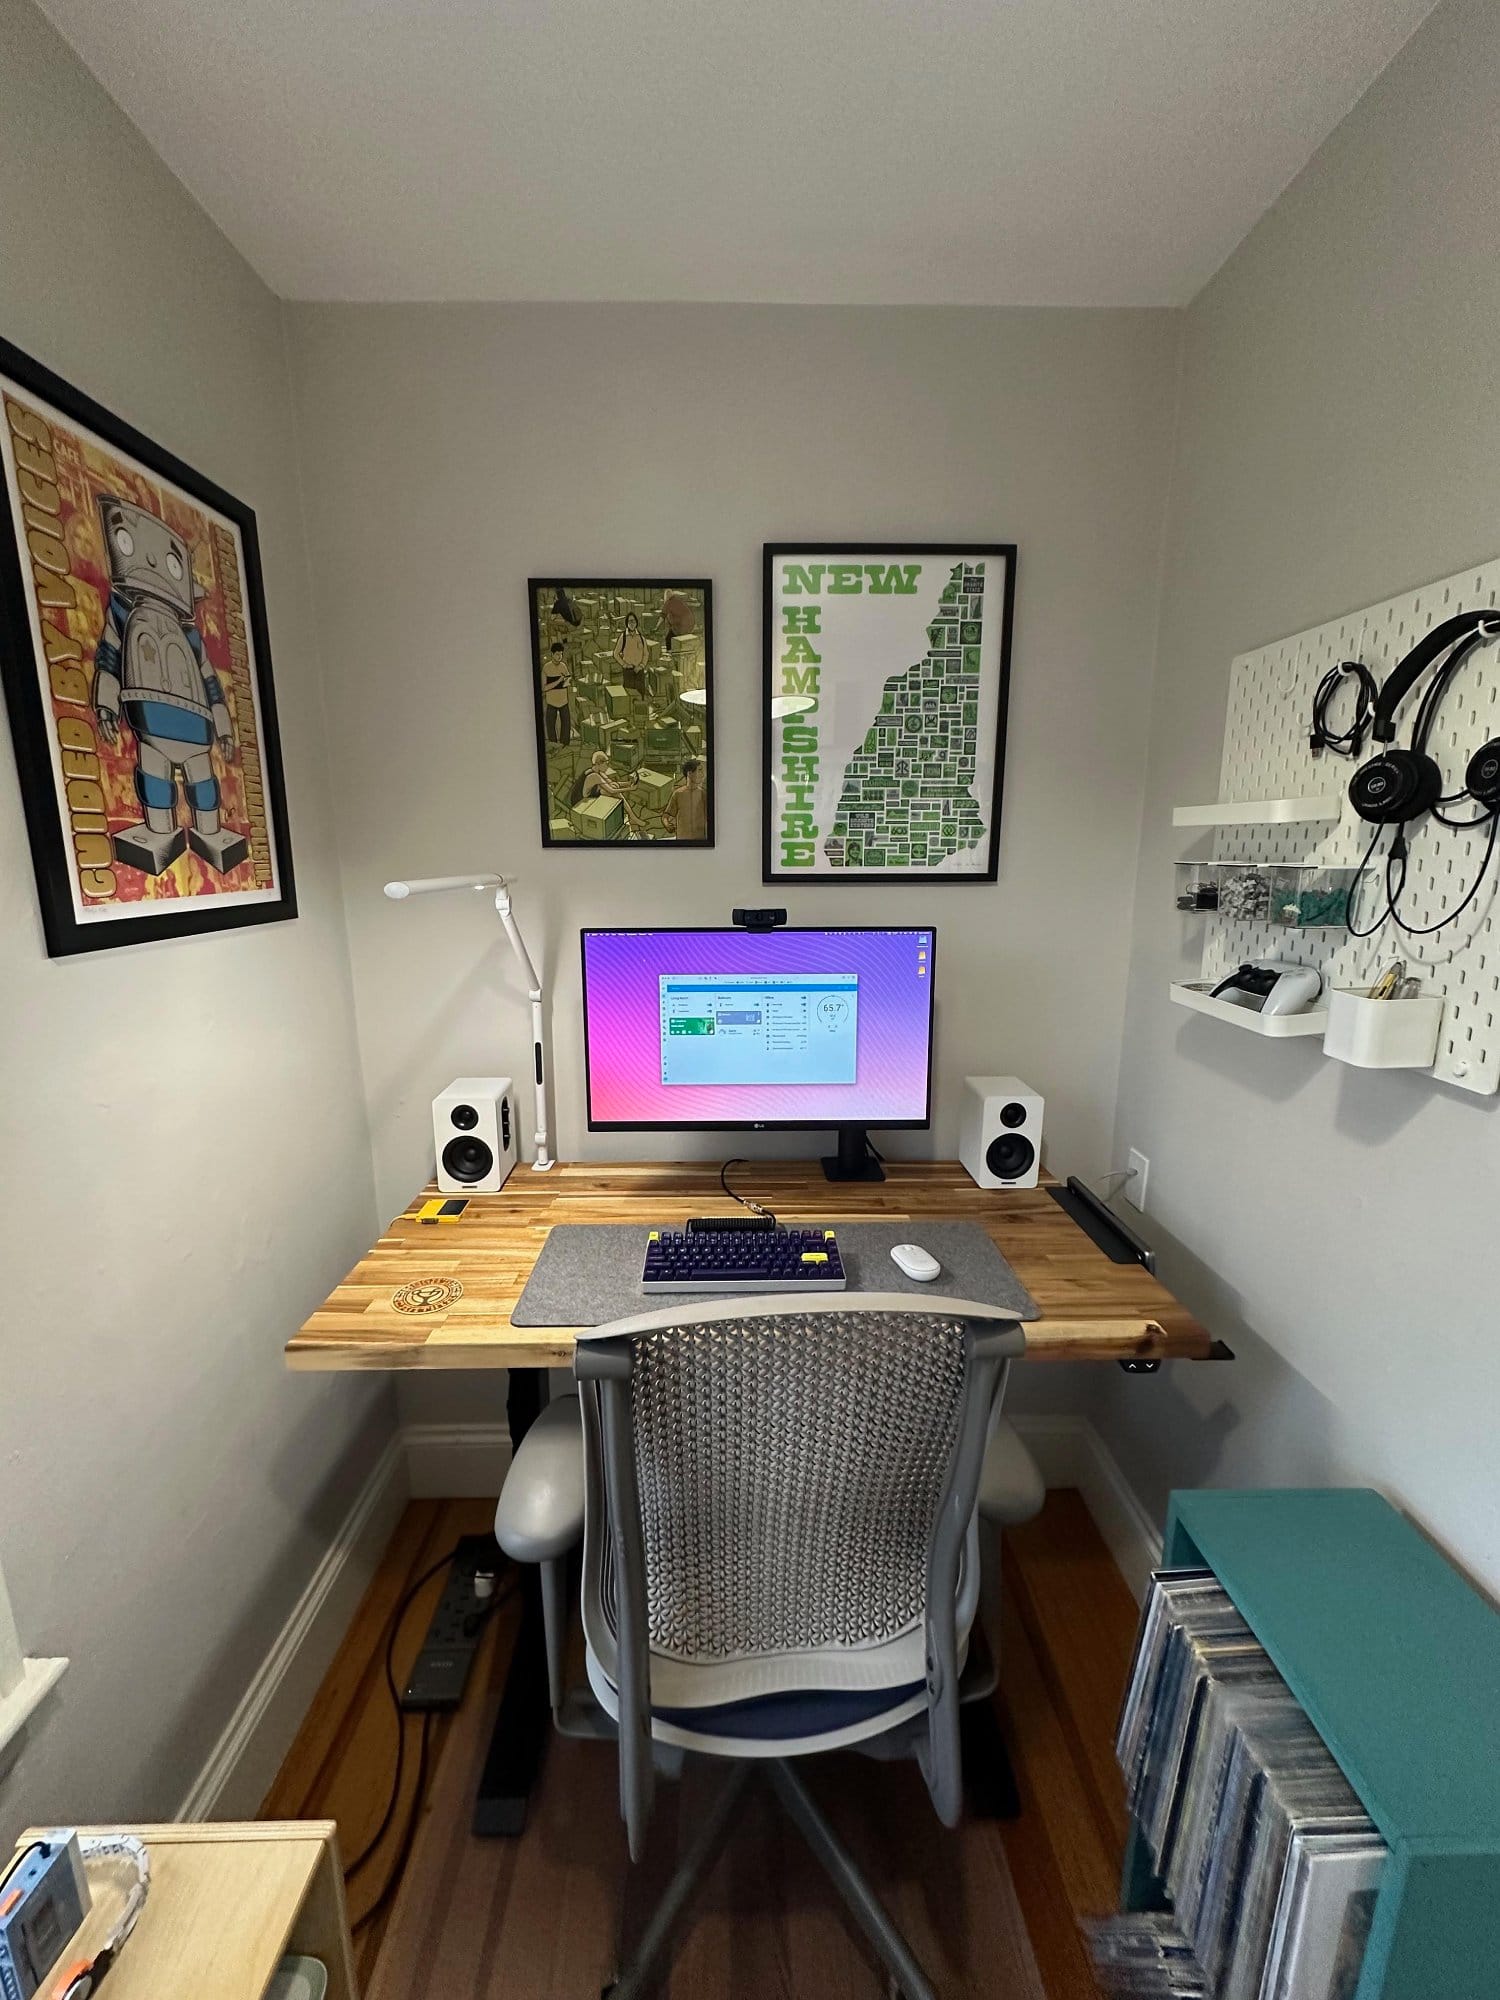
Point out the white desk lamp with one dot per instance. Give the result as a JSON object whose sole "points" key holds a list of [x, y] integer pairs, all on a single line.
{"points": [[429, 886]]}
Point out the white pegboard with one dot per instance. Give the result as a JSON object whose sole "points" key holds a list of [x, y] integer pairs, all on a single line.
{"points": [[1267, 755]]}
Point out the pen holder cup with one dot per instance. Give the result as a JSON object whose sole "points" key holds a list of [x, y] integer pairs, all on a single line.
{"points": [[1382, 1034]]}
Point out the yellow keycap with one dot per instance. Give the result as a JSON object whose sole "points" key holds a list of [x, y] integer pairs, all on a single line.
{"points": [[815, 1256], [654, 1237], [827, 1235]]}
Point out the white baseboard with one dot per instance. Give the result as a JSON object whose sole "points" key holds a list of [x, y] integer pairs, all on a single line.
{"points": [[421, 1462], [1070, 1452], [258, 1735], [456, 1461], [469, 1461]]}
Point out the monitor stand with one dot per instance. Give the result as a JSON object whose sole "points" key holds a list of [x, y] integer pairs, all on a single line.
{"points": [[853, 1161]]}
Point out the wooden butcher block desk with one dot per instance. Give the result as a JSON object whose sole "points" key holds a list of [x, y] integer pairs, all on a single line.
{"points": [[440, 1295]]}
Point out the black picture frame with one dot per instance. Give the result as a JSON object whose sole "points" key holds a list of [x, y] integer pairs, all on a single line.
{"points": [[34, 735], [883, 552], [652, 586]]}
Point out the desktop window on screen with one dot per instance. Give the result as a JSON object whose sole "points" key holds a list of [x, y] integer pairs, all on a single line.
{"points": [[788, 1027]]}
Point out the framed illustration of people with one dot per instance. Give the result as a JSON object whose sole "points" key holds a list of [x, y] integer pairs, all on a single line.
{"points": [[622, 673]]}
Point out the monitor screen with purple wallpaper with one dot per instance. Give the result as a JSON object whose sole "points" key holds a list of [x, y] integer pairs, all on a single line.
{"points": [[758, 1029]]}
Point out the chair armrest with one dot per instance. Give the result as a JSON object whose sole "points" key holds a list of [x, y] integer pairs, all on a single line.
{"points": [[1010, 1485], [540, 1515]]}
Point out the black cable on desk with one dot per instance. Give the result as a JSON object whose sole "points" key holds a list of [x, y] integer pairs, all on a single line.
{"points": [[744, 1200]]}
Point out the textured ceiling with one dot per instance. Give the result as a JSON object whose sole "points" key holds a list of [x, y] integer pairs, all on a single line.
{"points": [[1011, 152]]}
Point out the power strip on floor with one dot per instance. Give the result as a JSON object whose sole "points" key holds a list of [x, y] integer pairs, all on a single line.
{"points": [[440, 1671]]}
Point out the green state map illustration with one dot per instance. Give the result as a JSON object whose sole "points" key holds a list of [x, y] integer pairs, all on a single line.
{"points": [[907, 799]]}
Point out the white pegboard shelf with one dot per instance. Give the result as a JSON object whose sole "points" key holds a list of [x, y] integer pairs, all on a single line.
{"points": [[1271, 1027], [1262, 812]]}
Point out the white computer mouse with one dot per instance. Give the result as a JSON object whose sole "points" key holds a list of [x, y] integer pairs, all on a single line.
{"points": [[916, 1262]]}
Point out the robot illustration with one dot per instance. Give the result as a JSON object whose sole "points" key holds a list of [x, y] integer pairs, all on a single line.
{"points": [[150, 667]]}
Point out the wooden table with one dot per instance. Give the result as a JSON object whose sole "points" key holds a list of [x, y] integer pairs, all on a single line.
{"points": [[227, 1902], [440, 1295], [1092, 1309]]}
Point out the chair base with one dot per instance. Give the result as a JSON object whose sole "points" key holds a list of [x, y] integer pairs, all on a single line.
{"points": [[906, 1977]]}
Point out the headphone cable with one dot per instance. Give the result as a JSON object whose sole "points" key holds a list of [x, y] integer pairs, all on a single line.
{"points": [[1354, 886], [1393, 896], [1343, 742]]}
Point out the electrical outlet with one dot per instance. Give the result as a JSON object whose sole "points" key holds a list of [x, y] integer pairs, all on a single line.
{"points": [[1134, 1189]]}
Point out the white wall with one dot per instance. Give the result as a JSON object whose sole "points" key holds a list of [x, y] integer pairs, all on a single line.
{"points": [[181, 1125], [1339, 439], [451, 452]]}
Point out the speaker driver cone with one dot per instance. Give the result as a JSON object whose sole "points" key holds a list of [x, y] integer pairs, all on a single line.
{"points": [[1010, 1156], [467, 1159]]}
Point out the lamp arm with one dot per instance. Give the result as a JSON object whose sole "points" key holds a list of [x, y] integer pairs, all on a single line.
{"points": [[517, 942], [530, 974]]}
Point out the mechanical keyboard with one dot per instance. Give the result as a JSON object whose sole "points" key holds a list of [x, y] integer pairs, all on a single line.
{"points": [[743, 1260]]}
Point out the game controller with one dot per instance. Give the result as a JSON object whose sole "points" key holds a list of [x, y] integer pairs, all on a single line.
{"points": [[1271, 986]]}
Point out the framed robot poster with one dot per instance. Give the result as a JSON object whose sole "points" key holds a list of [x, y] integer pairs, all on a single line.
{"points": [[137, 677], [886, 682]]}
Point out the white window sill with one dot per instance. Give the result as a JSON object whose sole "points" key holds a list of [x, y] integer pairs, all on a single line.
{"points": [[38, 1678]]}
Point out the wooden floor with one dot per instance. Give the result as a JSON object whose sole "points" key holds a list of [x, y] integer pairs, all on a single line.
{"points": [[993, 1908]]}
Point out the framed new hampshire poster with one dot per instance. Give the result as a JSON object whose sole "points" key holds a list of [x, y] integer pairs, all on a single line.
{"points": [[137, 677], [887, 673]]}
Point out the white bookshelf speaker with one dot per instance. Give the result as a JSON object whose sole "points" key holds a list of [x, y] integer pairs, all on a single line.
{"points": [[474, 1131], [1000, 1132]]}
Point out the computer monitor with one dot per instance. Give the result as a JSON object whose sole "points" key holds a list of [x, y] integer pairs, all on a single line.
{"points": [[760, 1031]]}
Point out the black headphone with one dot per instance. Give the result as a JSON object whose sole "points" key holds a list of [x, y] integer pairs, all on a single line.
{"points": [[1482, 778], [1400, 785]]}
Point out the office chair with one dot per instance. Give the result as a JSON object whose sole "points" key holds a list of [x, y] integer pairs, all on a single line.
{"points": [[779, 1511]]}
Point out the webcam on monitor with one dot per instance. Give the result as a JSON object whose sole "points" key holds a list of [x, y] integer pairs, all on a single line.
{"points": [[757, 920]]}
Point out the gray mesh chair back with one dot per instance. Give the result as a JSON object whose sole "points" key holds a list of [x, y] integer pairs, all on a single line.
{"points": [[780, 1502]]}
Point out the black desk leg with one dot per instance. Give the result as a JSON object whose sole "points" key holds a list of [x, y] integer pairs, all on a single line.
{"points": [[520, 1734], [989, 1777]]}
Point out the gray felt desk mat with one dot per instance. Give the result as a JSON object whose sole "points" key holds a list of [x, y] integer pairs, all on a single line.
{"points": [[590, 1272]]}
